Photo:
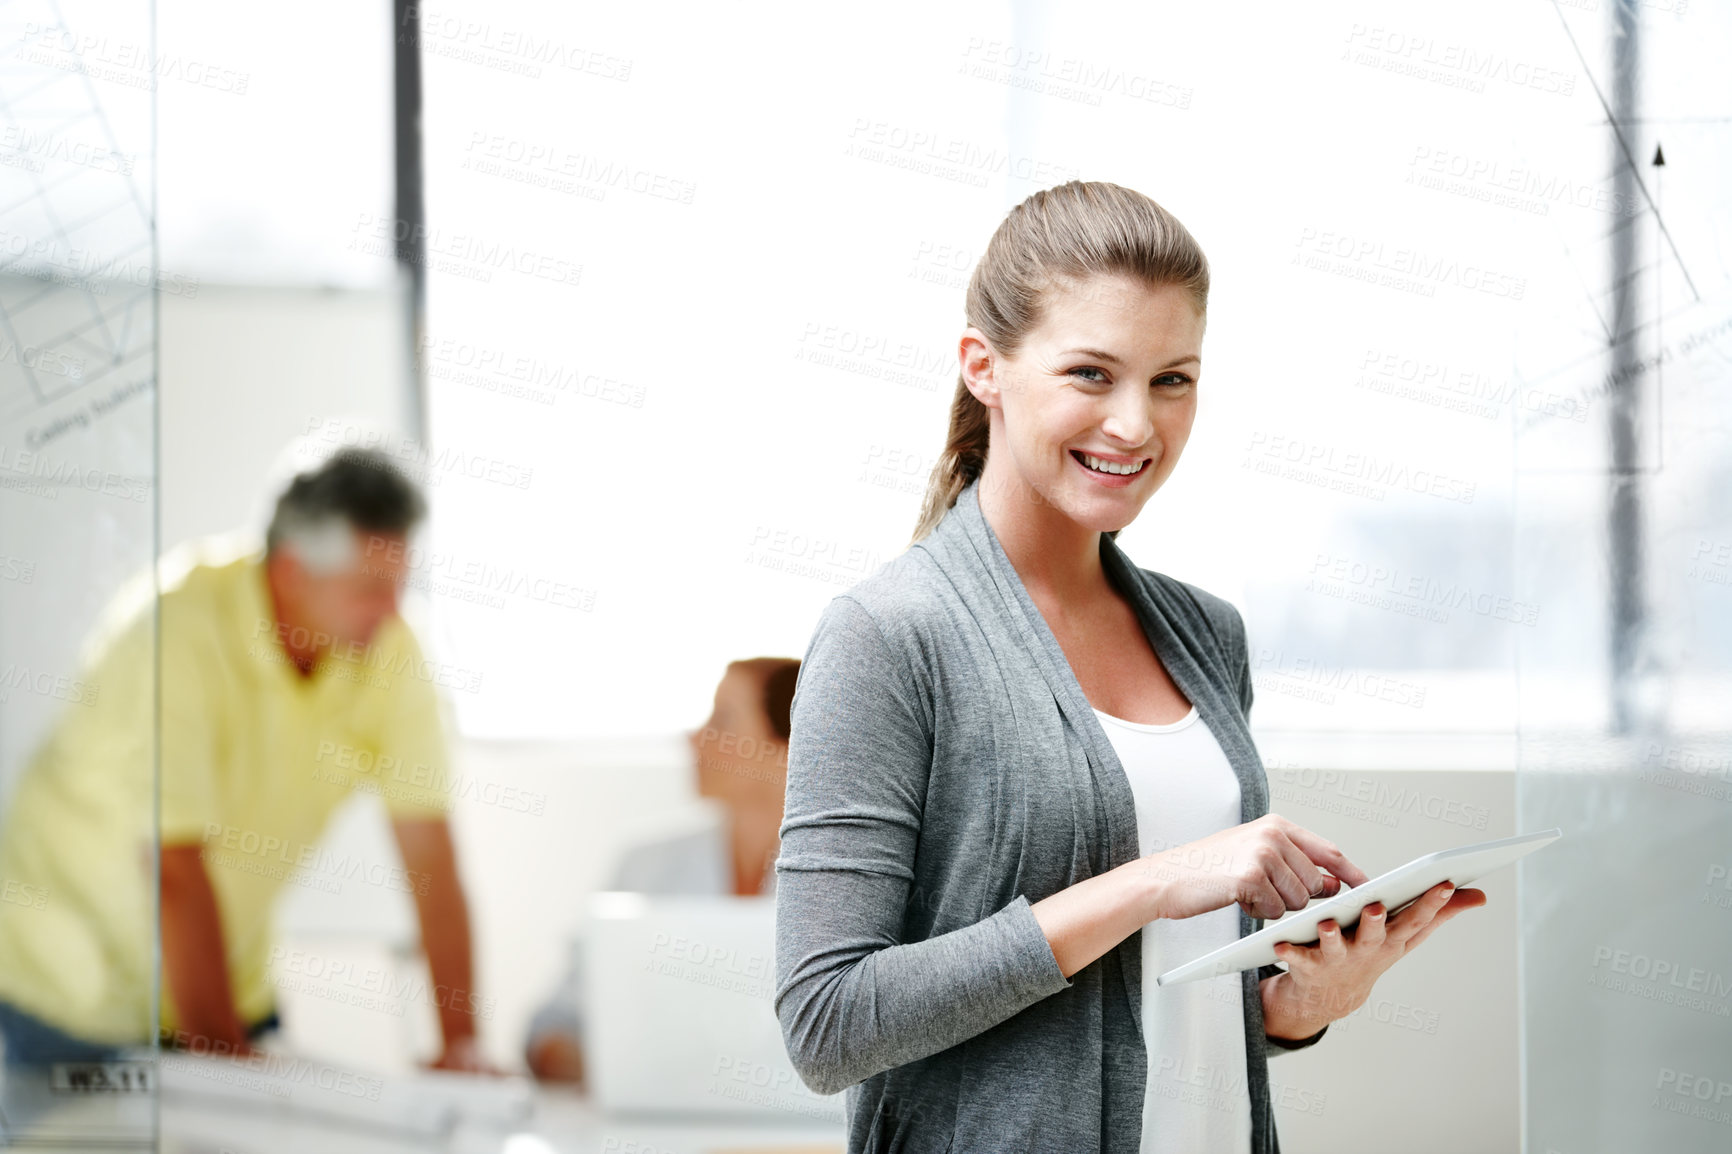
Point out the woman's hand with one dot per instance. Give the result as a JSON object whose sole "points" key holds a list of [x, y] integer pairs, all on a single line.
{"points": [[1268, 866], [1332, 977], [557, 1057]]}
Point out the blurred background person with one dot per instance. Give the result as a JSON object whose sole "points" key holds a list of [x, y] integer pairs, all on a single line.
{"points": [[286, 680], [741, 759]]}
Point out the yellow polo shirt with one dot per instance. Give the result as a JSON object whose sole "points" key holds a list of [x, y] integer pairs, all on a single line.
{"points": [[254, 759]]}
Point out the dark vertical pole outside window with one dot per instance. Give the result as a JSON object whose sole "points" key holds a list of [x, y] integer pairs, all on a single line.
{"points": [[1625, 556], [410, 225]]}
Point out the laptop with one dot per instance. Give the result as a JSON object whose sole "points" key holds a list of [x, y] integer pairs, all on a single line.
{"points": [[678, 1007]]}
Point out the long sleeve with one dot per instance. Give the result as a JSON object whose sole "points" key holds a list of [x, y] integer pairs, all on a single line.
{"points": [[853, 999]]}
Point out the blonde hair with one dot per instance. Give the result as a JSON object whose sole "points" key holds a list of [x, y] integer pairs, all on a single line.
{"points": [[1069, 232]]}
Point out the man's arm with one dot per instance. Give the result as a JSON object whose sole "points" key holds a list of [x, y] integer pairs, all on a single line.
{"points": [[431, 859], [194, 960]]}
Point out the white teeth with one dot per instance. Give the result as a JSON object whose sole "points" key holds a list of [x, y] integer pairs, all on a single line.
{"points": [[1101, 466]]}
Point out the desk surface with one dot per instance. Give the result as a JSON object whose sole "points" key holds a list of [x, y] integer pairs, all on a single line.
{"points": [[186, 1104], [552, 1121], [562, 1123]]}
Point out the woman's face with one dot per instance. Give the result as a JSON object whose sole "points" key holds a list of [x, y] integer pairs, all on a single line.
{"points": [[739, 756], [1094, 409]]}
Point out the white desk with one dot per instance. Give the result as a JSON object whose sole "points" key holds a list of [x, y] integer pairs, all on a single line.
{"points": [[562, 1123], [556, 1121]]}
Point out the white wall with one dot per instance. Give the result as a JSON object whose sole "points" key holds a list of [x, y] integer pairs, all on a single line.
{"points": [[244, 369]]}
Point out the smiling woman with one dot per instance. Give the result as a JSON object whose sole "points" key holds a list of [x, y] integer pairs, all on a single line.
{"points": [[1021, 777], [1052, 269]]}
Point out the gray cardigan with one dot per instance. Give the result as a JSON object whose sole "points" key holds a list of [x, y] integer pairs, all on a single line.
{"points": [[945, 770]]}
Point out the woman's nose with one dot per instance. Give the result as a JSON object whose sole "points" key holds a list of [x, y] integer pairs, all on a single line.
{"points": [[1128, 419]]}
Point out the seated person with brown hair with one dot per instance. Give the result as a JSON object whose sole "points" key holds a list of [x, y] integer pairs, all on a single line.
{"points": [[741, 756]]}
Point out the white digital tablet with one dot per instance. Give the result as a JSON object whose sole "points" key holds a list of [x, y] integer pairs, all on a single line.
{"points": [[1396, 889]]}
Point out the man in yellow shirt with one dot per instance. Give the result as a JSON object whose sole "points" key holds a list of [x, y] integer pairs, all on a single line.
{"points": [[218, 725]]}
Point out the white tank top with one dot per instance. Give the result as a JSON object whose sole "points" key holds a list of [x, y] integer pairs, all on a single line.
{"points": [[1197, 1096]]}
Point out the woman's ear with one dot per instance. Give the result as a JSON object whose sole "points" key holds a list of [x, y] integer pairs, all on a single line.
{"points": [[980, 365]]}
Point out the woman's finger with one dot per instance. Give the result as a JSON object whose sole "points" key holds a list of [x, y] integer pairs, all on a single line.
{"points": [[1291, 885], [1326, 854], [1329, 938], [1372, 925], [1259, 897], [1418, 916], [1311, 879], [1462, 901]]}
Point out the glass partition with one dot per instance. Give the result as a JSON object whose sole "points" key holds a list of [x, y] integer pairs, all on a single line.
{"points": [[1624, 534], [78, 503]]}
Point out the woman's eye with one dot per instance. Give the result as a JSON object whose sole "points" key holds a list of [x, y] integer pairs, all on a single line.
{"points": [[1173, 379], [1097, 379]]}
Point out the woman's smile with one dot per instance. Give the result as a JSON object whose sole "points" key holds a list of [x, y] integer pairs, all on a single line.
{"points": [[1115, 472]]}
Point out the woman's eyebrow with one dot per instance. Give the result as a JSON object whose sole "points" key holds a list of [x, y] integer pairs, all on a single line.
{"points": [[1103, 355], [1097, 354]]}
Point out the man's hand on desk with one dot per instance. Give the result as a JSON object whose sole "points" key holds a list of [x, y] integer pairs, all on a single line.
{"points": [[208, 1046], [464, 1055]]}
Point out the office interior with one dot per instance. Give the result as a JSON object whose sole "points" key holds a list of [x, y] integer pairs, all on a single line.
{"points": [[659, 310]]}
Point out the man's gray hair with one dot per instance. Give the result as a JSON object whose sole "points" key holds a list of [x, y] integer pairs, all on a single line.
{"points": [[354, 490]]}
